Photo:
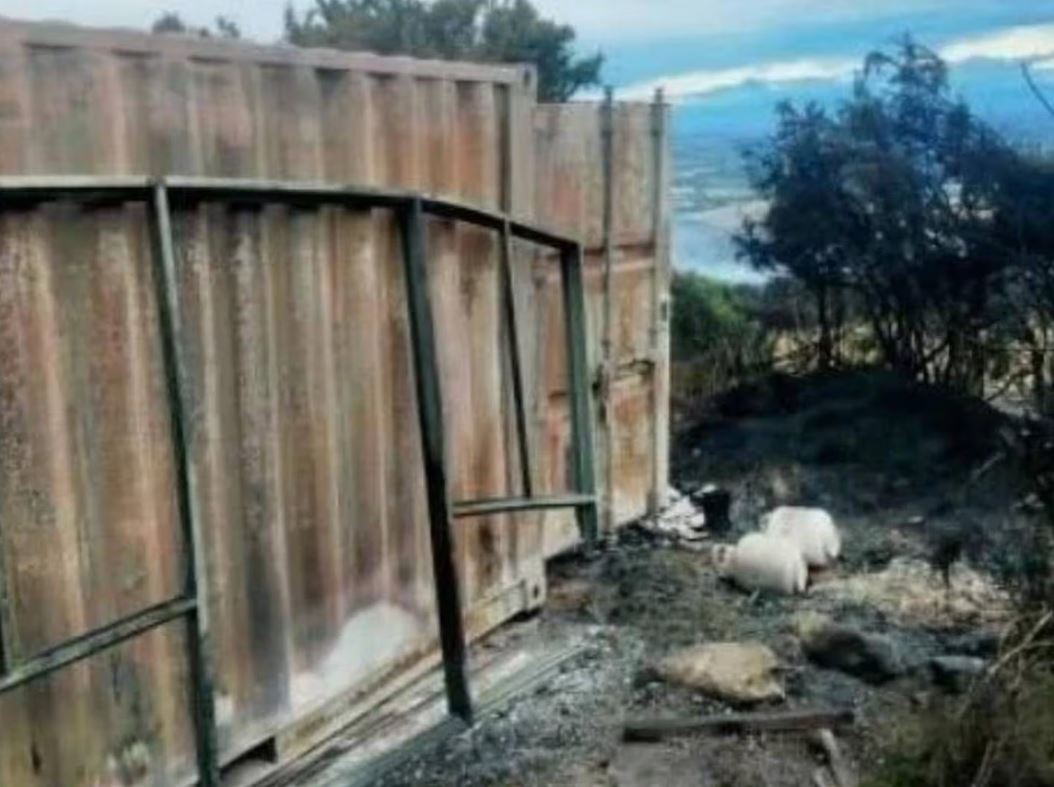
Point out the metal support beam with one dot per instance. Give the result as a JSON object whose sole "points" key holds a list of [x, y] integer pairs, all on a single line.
{"points": [[430, 419], [579, 393], [471, 508], [27, 192], [236, 190], [94, 642], [166, 286], [659, 333], [8, 649], [516, 367], [607, 363], [33, 190]]}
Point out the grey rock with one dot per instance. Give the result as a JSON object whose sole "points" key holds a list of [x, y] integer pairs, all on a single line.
{"points": [[956, 673], [870, 657]]}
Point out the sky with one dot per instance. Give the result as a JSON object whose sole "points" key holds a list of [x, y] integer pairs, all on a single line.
{"points": [[694, 47]]}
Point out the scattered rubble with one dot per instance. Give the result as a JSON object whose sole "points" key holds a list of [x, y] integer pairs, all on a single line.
{"points": [[737, 672], [682, 522]]}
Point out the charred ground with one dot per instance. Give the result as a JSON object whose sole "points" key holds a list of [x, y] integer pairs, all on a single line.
{"points": [[904, 469]]}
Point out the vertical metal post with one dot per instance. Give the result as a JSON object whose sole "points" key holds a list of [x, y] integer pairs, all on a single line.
{"points": [[578, 384], [507, 153], [659, 334], [4, 647], [607, 148], [194, 586], [430, 418], [509, 299], [8, 647]]}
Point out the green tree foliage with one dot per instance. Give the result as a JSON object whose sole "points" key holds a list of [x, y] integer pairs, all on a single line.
{"points": [[171, 22], [513, 32], [227, 28], [502, 31], [803, 233], [705, 313], [896, 200], [1025, 232]]}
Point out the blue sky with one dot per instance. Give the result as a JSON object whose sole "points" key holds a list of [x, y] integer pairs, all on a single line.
{"points": [[645, 39], [733, 57], [672, 40], [725, 68]]}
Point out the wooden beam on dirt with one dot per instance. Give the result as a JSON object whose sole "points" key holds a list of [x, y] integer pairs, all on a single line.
{"points": [[778, 721]]}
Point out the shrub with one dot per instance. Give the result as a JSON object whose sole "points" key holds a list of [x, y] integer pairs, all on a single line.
{"points": [[1000, 735], [721, 336], [1031, 575]]}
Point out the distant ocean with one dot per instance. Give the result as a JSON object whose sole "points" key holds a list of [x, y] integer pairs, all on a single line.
{"points": [[704, 245], [710, 135], [711, 193]]}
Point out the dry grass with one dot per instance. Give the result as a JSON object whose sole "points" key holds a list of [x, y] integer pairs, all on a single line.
{"points": [[1001, 734]]}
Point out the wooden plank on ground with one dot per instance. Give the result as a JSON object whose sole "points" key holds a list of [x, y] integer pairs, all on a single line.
{"points": [[778, 721], [841, 770], [414, 719]]}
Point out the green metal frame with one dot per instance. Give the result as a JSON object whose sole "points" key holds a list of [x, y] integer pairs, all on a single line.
{"points": [[191, 605], [412, 210]]}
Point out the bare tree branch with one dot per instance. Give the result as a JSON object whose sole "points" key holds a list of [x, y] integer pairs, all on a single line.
{"points": [[1042, 99]]}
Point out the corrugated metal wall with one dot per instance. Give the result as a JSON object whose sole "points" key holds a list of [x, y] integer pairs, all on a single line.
{"points": [[570, 187], [306, 472]]}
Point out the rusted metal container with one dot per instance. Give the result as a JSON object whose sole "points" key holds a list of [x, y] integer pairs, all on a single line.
{"points": [[303, 443]]}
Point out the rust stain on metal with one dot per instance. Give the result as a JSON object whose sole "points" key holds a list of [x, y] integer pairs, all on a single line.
{"points": [[303, 440]]}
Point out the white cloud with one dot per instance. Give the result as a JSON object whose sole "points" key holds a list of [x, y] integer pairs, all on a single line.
{"points": [[1033, 42], [1013, 43], [610, 21], [694, 84], [598, 22]]}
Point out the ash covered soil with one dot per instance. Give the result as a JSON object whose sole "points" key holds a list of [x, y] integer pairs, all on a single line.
{"points": [[904, 470]]}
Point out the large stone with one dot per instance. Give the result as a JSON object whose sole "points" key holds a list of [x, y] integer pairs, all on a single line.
{"points": [[956, 673], [869, 657], [737, 672]]}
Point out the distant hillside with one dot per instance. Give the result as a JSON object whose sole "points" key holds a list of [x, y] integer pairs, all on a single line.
{"points": [[710, 135]]}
